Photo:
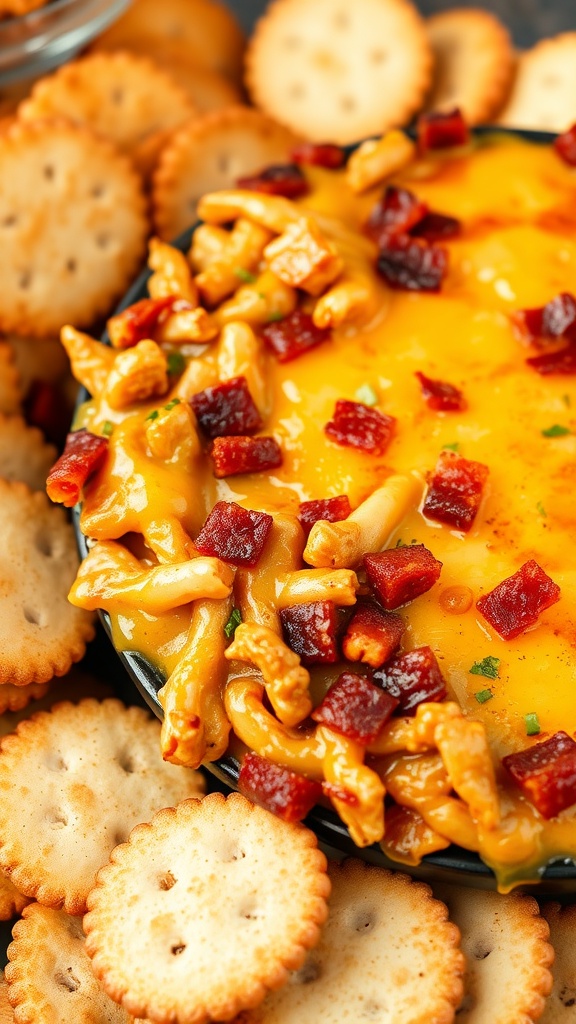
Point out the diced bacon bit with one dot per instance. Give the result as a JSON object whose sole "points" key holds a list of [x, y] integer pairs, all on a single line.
{"points": [[562, 361], [439, 130], [226, 409], [411, 264], [565, 146], [83, 455], [516, 603], [455, 491], [310, 630], [332, 510], [46, 407], [323, 154], [138, 321], [435, 227], [293, 336], [372, 635], [557, 319], [440, 395], [278, 180], [399, 575], [356, 708], [236, 535], [287, 795], [234, 455], [413, 678], [546, 773], [397, 211], [355, 425]]}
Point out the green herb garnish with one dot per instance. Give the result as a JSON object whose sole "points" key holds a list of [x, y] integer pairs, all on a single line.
{"points": [[107, 428], [233, 623], [455, 447], [153, 415], [274, 317], [366, 394], [540, 508], [483, 695], [244, 275], [173, 402], [176, 363], [532, 724], [556, 430], [488, 667]]}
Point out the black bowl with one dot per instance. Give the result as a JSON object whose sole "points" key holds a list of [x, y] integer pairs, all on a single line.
{"points": [[454, 864]]}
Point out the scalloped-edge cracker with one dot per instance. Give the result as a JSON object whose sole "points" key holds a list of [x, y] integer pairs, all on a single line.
{"points": [[336, 71], [12, 901], [6, 1011], [205, 909], [474, 63], [24, 454], [508, 955], [10, 383], [74, 686], [210, 154], [387, 953], [561, 1003], [544, 88], [72, 226], [49, 975], [16, 698], [73, 782]]}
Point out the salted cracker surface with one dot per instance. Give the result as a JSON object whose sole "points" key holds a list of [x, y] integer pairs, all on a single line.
{"points": [[561, 1003], [24, 453]]}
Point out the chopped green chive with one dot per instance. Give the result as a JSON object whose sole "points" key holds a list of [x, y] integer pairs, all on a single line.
{"points": [[107, 428], [233, 623], [488, 667], [455, 447], [176, 363], [274, 317], [153, 415], [367, 395], [556, 430], [532, 724], [173, 402], [402, 543], [483, 695], [244, 275], [540, 508]]}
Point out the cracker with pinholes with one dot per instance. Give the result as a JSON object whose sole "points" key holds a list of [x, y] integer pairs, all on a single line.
{"points": [[41, 634], [72, 226], [561, 1003], [211, 153], [543, 95], [387, 953], [338, 71], [49, 975], [12, 901], [205, 909], [6, 1011], [74, 686], [24, 454], [73, 782], [508, 956]]}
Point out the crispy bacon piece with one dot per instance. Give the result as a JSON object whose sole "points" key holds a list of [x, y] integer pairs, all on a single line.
{"points": [[562, 361], [557, 319], [546, 773], [440, 395], [293, 336], [278, 180], [516, 603], [323, 154], [399, 575], [411, 264], [372, 635], [138, 321], [226, 409], [83, 455], [455, 491], [332, 510], [234, 455], [413, 678], [289, 796], [236, 535], [435, 227], [439, 130], [355, 425], [565, 146], [398, 210], [356, 708], [310, 630]]}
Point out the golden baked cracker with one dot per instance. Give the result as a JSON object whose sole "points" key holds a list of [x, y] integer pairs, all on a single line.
{"points": [[38, 359], [560, 1006], [41, 634], [16, 698], [73, 782], [125, 98], [6, 1011], [24, 454], [543, 94], [207, 28], [208, 89], [474, 62], [72, 226], [12, 902], [508, 956], [74, 686], [205, 909], [49, 975], [387, 953], [336, 71], [10, 383], [210, 154]]}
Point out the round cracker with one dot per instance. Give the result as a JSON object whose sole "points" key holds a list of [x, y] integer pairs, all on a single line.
{"points": [[508, 955], [74, 686], [72, 226], [336, 71], [41, 634], [49, 976], [12, 902], [16, 698], [208, 29], [6, 1011], [123, 97], [205, 909], [473, 62], [73, 782], [38, 359], [209, 154], [387, 953], [561, 1003], [544, 89], [24, 454]]}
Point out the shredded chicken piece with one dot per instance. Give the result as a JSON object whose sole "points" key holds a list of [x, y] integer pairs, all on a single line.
{"points": [[137, 374], [286, 680], [303, 258]]}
